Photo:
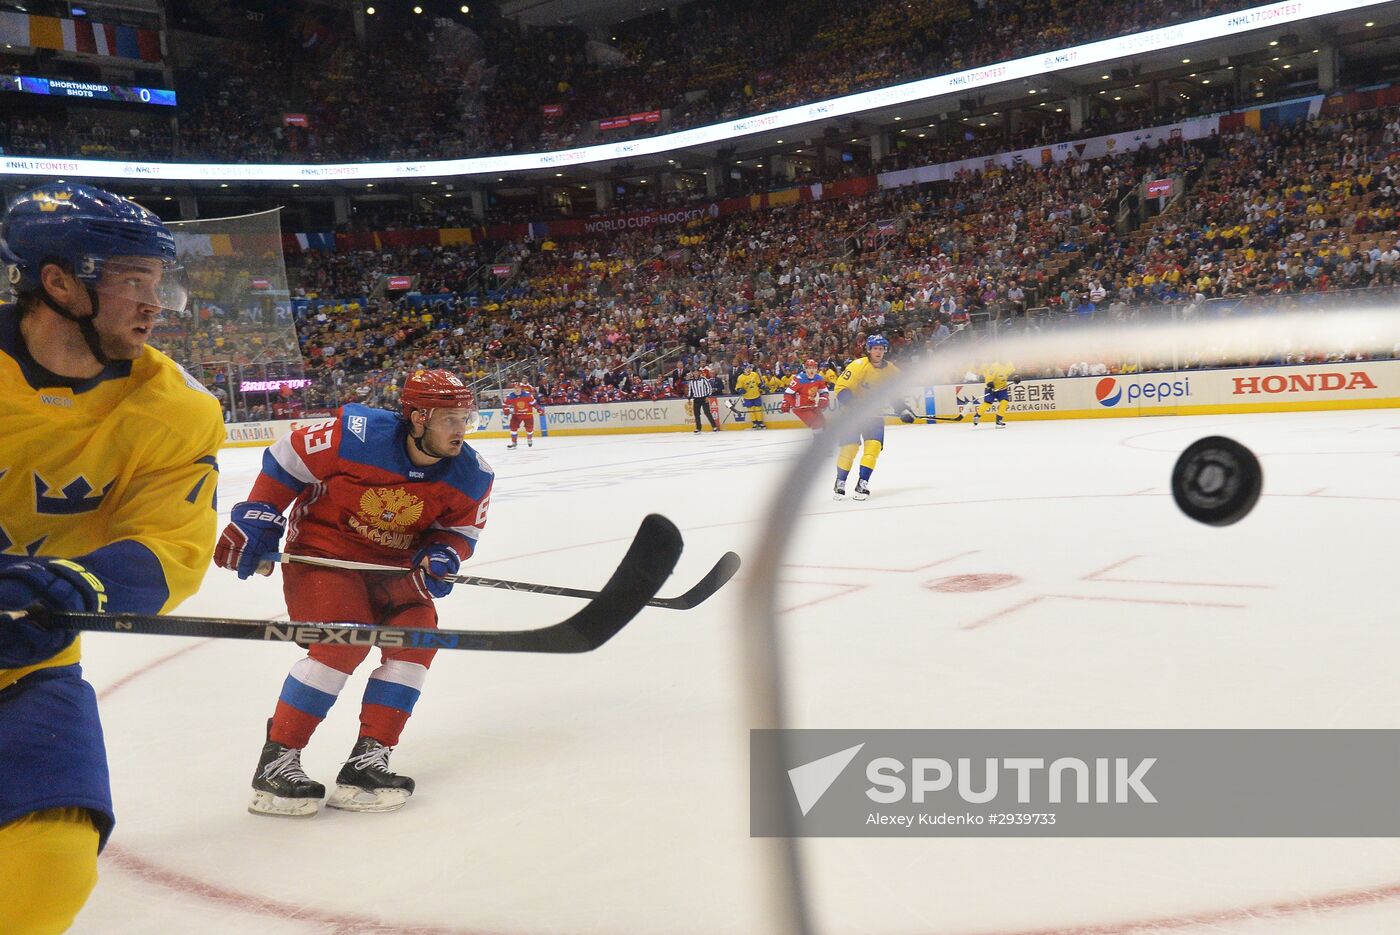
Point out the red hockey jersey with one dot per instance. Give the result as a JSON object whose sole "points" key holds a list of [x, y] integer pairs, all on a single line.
{"points": [[355, 495], [520, 404], [806, 392]]}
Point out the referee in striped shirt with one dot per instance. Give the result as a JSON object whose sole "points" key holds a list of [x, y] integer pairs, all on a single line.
{"points": [[699, 390]]}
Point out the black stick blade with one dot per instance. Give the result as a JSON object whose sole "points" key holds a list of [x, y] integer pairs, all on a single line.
{"points": [[644, 569], [715, 579]]}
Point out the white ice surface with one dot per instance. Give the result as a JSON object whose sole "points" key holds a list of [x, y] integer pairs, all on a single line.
{"points": [[608, 793]]}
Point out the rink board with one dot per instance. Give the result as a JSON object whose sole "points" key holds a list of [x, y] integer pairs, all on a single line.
{"points": [[1297, 388]]}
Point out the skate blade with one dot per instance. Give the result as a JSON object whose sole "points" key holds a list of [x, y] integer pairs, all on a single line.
{"points": [[355, 799], [265, 803], [860, 496]]}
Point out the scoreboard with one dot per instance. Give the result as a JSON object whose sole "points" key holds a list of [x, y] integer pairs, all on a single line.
{"points": [[86, 90]]}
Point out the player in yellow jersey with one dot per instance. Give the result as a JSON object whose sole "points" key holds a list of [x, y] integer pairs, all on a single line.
{"points": [[997, 396], [750, 387], [107, 481], [859, 378]]}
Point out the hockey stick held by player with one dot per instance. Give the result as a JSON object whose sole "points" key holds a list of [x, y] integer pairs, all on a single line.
{"points": [[632, 586], [701, 591]]}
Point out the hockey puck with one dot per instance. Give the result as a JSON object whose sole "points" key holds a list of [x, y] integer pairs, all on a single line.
{"points": [[1217, 481]]}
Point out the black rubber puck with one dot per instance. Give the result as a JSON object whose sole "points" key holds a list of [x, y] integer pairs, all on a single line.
{"points": [[1217, 481]]}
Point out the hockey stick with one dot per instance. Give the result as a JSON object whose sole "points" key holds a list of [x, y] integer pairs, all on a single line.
{"points": [[932, 419], [644, 568], [714, 579]]}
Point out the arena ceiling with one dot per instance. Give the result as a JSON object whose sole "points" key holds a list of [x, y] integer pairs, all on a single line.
{"points": [[581, 13]]}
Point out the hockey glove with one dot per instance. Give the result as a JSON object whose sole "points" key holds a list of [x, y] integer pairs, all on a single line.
{"points": [[823, 401], [906, 415], [57, 584], [251, 537], [989, 388], [785, 405], [433, 562]]}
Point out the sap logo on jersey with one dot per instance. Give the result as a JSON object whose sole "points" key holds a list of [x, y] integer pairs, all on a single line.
{"points": [[1110, 393]]}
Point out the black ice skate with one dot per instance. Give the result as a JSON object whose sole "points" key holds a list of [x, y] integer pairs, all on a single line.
{"points": [[839, 490], [365, 783], [280, 787], [1001, 423], [529, 443], [862, 491], [510, 446]]}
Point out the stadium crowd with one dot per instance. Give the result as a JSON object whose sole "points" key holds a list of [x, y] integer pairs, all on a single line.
{"points": [[496, 87], [1293, 212]]}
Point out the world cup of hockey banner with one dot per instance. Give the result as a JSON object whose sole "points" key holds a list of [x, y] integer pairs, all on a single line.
{"points": [[1074, 783]]}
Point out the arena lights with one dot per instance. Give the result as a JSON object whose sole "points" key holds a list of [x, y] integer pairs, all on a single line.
{"points": [[1181, 35]]}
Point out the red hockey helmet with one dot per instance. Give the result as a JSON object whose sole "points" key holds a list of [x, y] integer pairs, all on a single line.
{"points": [[435, 389], [809, 362]]}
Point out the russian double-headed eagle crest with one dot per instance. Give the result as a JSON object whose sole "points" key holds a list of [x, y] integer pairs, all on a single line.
{"points": [[390, 509]]}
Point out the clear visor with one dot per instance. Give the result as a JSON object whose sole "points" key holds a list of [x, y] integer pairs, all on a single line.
{"points": [[141, 281], [460, 420]]}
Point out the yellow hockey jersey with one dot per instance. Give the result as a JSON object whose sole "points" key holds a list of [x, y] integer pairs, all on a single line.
{"points": [[998, 374], [117, 473], [861, 376], [749, 384]]}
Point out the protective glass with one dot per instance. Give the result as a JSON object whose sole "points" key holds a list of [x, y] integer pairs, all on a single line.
{"points": [[461, 419], [142, 280]]}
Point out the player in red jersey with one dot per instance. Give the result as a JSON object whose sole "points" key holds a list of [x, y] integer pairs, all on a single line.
{"points": [[520, 403], [807, 397], [371, 486]]}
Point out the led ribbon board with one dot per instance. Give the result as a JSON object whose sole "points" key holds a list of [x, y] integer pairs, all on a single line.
{"points": [[1105, 50]]}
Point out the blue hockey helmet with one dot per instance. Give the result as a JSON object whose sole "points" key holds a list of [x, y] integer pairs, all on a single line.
{"points": [[876, 340], [83, 229]]}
